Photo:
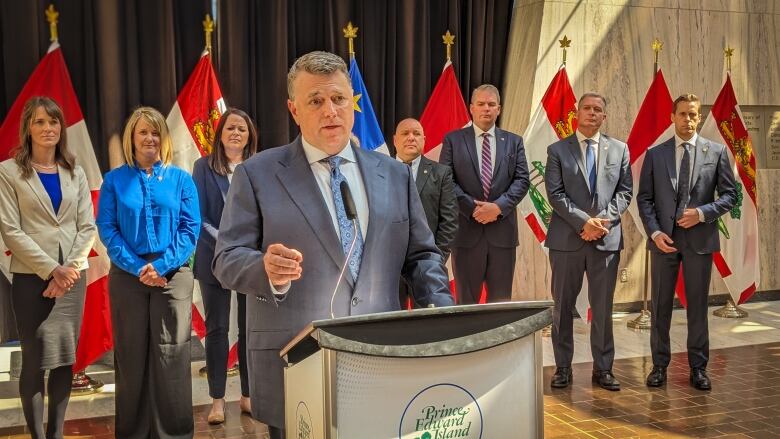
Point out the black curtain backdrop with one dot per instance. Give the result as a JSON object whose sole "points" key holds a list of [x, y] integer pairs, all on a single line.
{"points": [[126, 53]]}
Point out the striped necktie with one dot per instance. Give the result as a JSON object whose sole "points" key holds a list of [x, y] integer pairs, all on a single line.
{"points": [[486, 171]]}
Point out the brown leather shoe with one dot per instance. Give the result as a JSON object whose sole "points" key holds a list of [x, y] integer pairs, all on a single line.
{"points": [[606, 380], [562, 378]]}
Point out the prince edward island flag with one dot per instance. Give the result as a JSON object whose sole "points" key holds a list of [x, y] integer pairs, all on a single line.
{"points": [[366, 127]]}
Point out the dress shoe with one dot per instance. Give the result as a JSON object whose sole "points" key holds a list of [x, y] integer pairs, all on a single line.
{"points": [[245, 404], [217, 413], [561, 378], [606, 380], [699, 379], [657, 377]]}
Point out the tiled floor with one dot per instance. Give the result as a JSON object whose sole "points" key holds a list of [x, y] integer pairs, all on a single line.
{"points": [[744, 402]]}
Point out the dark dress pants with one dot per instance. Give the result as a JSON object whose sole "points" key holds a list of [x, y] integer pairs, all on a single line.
{"points": [[495, 266], [567, 274], [152, 328], [697, 269], [216, 303]]}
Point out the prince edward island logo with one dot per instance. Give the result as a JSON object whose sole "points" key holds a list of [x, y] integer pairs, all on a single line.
{"points": [[441, 411]]}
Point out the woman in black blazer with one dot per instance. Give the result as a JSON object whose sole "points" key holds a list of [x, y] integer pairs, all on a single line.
{"points": [[234, 142]]}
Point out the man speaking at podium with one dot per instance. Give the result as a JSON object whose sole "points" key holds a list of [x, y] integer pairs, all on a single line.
{"points": [[290, 222]]}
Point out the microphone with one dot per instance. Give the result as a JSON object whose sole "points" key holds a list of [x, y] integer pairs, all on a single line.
{"points": [[351, 211]]}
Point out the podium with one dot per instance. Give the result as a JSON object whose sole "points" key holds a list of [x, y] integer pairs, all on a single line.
{"points": [[472, 371]]}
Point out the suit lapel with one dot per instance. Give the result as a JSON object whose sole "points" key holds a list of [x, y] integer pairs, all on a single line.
{"points": [[501, 152], [576, 154], [603, 147], [298, 180], [472, 148], [702, 148], [423, 172], [40, 192], [667, 153], [69, 187], [378, 195], [222, 183]]}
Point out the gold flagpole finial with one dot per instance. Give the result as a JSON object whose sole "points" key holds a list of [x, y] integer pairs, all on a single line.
{"points": [[728, 52], [657, 46], [208, 29], [449, 41], [350, 33], [565, 44], [51, 17]]}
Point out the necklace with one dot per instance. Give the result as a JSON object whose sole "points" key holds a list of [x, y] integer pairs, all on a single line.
{"points": [[48, 168]]}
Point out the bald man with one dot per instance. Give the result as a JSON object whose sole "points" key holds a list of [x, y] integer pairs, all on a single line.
{"points": [[434, 184]]}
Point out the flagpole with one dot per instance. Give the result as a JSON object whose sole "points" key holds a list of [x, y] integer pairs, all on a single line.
{"points": [[643, 321], [730, 310], [81, 383], [350, 33]]}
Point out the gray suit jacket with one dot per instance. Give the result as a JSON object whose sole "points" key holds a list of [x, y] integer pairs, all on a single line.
{"points": [[657, 195], [437, 194], [567, 191], [274, 198], [509, 185]]}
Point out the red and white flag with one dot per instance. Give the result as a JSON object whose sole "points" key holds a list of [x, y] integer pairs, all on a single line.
{"points": [[193, 122], [51, 78], [737, 261], [554, 119]]}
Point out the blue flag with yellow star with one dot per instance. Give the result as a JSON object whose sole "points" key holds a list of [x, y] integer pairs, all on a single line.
{"points": [[366, 127]]}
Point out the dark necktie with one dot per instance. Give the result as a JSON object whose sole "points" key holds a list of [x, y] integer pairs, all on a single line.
{"points": [[590, 164], [684, 181], [345, 225], [486, 171]]}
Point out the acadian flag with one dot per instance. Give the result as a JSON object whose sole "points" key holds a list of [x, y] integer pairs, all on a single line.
{"points": [[737, 261], [193, 122], [366, 127], [193, 118], [445, 111], [553, 120], [51, 78]]}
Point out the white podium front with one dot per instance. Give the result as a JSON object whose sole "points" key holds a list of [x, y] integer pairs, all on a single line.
{"points": [[471, 371]]}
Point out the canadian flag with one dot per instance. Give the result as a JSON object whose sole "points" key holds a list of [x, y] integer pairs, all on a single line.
{"points": [[51, 78], [554, 119], [445, 111], [193, 123], [737, 261]]}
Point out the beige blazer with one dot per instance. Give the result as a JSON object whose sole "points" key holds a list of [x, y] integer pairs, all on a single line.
{"points": [[33, 232]]}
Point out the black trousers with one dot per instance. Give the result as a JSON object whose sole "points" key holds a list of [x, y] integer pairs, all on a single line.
{"points": [[152, 328], [495, 266], [568, 269], [664, 269], [216, 303]]}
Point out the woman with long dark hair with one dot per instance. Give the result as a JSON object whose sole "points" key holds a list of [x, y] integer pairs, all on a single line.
{"points": [[46, 222]]}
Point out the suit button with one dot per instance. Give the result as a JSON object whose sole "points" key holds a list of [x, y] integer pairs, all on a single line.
{"points": [[355, 301]]}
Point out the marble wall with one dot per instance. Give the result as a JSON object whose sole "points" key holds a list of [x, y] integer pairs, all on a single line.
{"points": [[611, 53]]}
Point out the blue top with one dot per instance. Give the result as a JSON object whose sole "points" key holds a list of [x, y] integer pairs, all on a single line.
{"points": [[148, 218], [51, 182]]}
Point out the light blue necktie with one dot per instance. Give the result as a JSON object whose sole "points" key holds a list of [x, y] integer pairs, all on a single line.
{"points": [[345, 225], [590, 164]]}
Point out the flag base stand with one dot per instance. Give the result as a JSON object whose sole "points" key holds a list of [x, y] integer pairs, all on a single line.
{"points": [[233, 371], [83, 384], [547, 331], [730, 311], [642, 322]]}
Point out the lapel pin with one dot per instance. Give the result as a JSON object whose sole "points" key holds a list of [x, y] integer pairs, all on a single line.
{"points": [[425, 171], [704, 149]]}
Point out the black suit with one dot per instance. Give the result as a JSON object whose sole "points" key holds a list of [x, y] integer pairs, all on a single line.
{"points": [[485, 252], [434, 184], [657, 203]]}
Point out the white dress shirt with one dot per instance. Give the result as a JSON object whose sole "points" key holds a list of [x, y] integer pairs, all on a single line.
{"points": [[478, 139], [415, 165], [232, 167], [581, 138]]}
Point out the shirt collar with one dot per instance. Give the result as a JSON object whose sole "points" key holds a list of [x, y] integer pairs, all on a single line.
{"points": [[155, 167], [314, 154], [678, 141], [413, 162], [478, 131], [581, 137]]}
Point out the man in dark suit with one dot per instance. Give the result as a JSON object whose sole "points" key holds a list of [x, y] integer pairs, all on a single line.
{"points": [[285, 235], [491, 177], [679, 210], [434, 184], [589, 185]]}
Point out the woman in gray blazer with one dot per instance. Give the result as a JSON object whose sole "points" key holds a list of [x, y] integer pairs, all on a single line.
{"points": [[46, 222], [234, 142]]}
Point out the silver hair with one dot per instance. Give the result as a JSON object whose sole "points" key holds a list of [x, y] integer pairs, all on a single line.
{"points": [[593, 95], [490, 88], [316, 63]]}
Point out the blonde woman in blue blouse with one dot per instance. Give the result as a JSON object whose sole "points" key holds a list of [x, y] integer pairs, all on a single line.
{"points": [[149, 220]]}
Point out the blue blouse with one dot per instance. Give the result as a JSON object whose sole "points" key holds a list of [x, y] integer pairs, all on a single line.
{"points": [[148, 218], [51, 182]]}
